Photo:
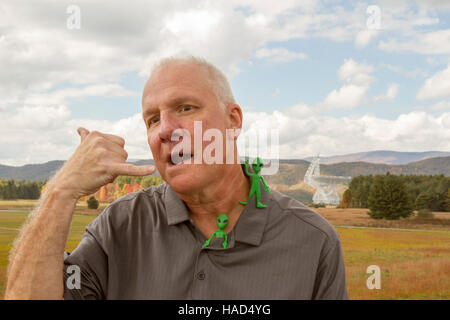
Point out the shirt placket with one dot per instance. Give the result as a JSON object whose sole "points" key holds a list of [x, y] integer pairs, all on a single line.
{"points": [[203, 268]]}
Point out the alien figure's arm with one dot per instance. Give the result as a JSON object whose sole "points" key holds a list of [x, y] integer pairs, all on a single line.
{"points": [[265, 184], [246, 168], [212, 236], [226, 240]]}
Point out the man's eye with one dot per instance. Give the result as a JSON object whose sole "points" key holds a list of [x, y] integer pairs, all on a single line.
{"points": [[153, 120], [186, 108]]}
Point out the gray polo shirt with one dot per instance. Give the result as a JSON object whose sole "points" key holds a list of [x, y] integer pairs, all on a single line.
{"points": [[145, 246]]}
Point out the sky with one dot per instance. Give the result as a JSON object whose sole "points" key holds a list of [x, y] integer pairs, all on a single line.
{"points": [[330, 77]]}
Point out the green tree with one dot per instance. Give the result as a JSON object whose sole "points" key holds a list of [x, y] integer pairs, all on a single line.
{"points": [[10, 190], [388, 198], [423, 201], [92, 203], [447, 201]]}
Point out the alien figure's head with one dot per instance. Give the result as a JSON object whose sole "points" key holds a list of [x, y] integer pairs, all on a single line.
{"points": [[257, 166], [222, 221]]}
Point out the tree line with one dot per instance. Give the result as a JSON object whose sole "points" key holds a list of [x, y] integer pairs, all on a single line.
{"points": [[402, 193], [20, 189], [27, 189]]}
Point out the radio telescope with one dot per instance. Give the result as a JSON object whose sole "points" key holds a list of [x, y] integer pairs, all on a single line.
{"points": [[325, 186]]}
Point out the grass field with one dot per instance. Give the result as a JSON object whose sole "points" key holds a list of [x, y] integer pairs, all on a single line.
{"points": [[415, 263]]}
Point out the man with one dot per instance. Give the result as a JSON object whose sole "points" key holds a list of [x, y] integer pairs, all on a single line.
{"points": [[150, 244]]}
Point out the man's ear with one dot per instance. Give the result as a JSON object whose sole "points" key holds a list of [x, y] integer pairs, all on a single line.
{"points": [[234, 116]]}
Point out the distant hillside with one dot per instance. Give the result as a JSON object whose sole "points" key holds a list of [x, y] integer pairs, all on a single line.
{"points": [[31, 171], [44, 171], [291, 172], [289, 178], [383, 157], [440, 165]]}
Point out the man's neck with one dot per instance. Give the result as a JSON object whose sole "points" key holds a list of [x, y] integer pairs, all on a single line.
{"points": [[221, 197]]}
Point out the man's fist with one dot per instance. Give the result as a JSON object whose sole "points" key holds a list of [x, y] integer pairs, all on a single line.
{"points": [[97, 161]]}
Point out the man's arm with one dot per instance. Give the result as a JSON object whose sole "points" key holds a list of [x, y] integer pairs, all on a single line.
{"points": [[36, 261], [330, 279]]}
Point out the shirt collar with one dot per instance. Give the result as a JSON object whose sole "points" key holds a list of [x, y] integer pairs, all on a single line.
{"points": [[249, 227]]}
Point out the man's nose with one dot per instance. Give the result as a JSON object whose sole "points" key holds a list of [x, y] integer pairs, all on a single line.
{"points": [[167, 126]]}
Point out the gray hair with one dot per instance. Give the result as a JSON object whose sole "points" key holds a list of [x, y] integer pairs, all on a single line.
{"points": [[217, 79]]}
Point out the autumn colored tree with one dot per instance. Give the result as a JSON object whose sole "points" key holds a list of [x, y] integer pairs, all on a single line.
{"points": [[102, 195], [110, 187], [346, 199], [124, 190]]}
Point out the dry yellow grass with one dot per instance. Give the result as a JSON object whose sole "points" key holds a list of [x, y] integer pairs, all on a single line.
{"points": [[359, 217], [414, 264]]}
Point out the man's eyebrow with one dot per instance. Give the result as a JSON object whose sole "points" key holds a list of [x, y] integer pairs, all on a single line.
{"points": [[173, 102]]}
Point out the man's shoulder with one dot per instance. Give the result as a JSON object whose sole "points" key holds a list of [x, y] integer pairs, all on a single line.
{"points": [[301, 216]]}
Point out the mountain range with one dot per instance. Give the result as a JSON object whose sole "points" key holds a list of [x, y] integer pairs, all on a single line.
{"points": [[291, 171], [382, 156]]}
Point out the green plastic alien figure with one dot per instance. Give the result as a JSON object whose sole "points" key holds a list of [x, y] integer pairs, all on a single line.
{"points": [[255, 188], [222, 222]]}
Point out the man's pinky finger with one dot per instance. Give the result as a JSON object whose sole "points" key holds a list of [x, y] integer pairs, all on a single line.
{"points": [[128, 169]]}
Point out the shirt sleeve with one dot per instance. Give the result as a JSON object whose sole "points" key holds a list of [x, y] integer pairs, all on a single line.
{"points": [[86, 270], [330, 277]]}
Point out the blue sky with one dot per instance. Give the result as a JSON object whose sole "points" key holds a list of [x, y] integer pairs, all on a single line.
{"points": [[313, 70]]}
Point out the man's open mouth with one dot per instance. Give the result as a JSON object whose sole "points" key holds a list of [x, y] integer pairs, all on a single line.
{"points": [[177, 159]]}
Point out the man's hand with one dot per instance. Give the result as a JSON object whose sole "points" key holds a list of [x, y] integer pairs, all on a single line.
{"points": [[97, 161]]}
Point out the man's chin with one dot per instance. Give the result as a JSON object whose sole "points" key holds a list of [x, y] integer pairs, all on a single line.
{"points": [[183, 182]]}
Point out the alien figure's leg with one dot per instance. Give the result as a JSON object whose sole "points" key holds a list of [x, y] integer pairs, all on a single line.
{"points": [[258, 197], [225, 242], [249, 197]]}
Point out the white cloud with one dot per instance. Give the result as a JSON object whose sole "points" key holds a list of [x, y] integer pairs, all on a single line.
{"points": [[48, 133], [437, 86], [364, 37], [279, 54], [63, 95], [412, 74], [434, 42], [356, 73], [357, 79], [307, 134], [441, 105], [347, 97], [390, 94], [38, 52]]}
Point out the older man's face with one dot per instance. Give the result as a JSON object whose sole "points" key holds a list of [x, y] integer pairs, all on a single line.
{"points": [[174, 97]]}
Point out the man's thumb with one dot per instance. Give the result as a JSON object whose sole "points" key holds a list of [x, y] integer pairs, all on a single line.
{"points": [[82, 132]]}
